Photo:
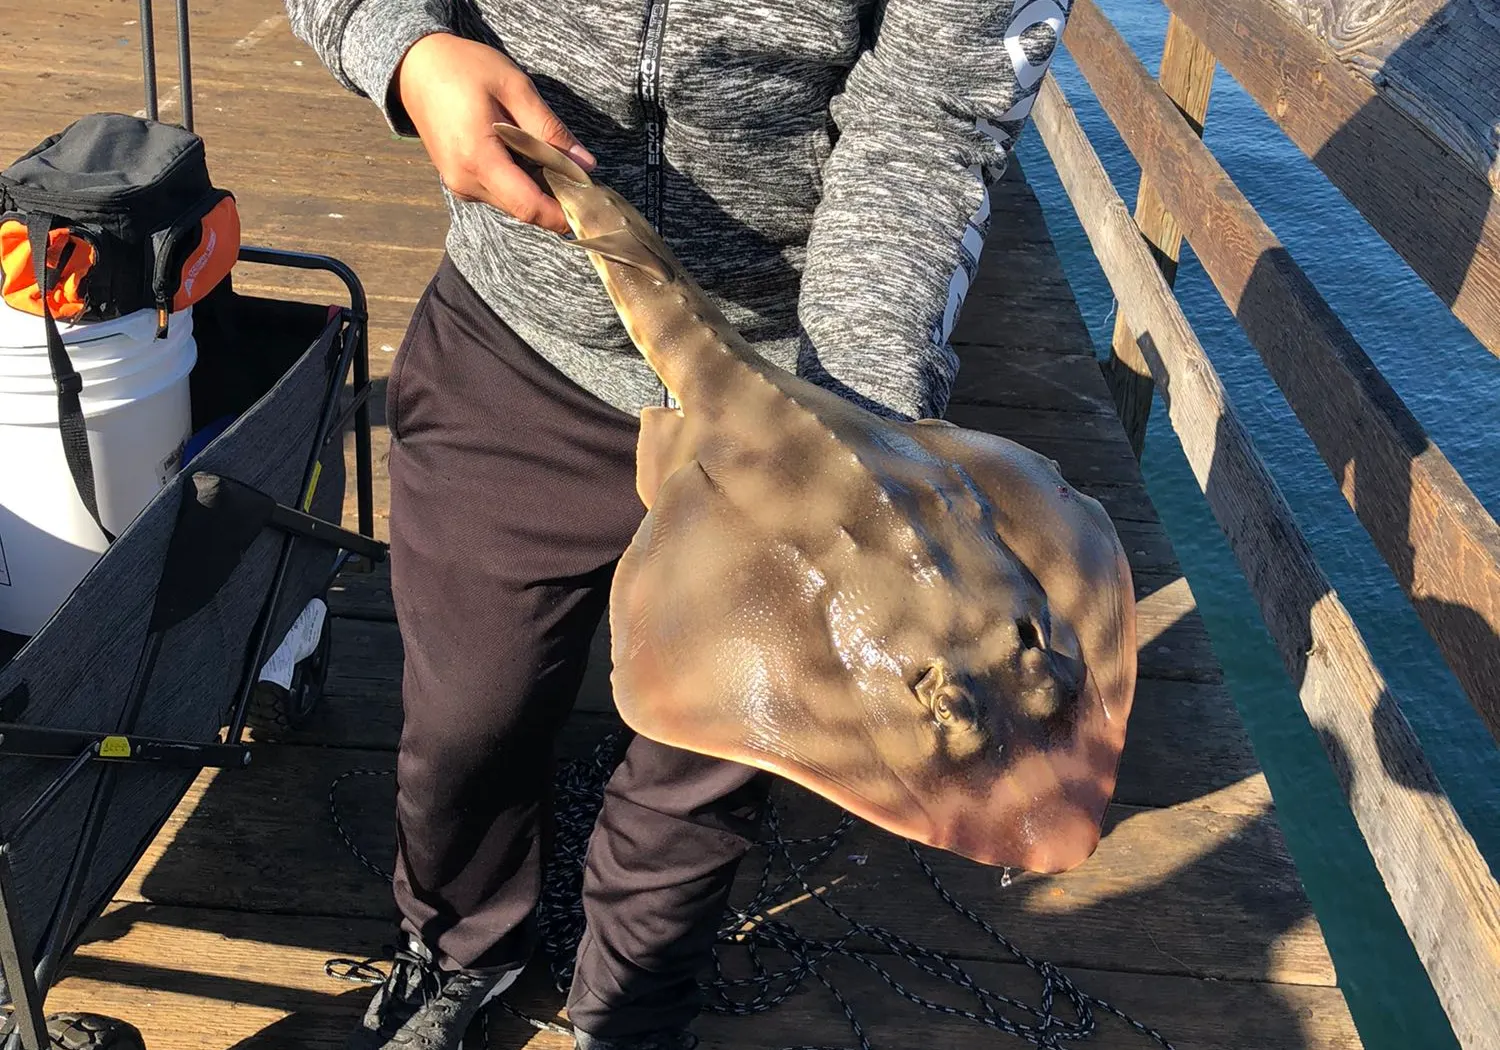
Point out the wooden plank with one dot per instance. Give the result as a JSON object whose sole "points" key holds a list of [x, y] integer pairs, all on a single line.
{"points": [[1087, 451], [226, 111], [1099, 470], [1037, 312], [1440, 884], [1438, 540], [194, 979], [1187, 77], [1148, 548], [363, 596], [1127, 503], [1021, 318], [1203, 888], [256, 827], [367, 596], [114, 22], [1259, 1016], [1173, 641], [1023, 377], [116, 56], [1373, 116], [1186, 739], [213, 980], [395, 246], [1164, 883], [368, 210]]}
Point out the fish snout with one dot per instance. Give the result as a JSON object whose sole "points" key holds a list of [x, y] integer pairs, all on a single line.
{"points": [[1071, 838]]}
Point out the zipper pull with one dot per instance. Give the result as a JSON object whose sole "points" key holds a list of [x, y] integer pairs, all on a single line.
{"points": [[161, 318]]}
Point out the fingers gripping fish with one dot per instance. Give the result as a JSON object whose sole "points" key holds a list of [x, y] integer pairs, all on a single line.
{"points": [[924, 624]]}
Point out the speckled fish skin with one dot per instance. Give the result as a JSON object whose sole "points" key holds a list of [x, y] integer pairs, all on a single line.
{"points": [[924, 624]]}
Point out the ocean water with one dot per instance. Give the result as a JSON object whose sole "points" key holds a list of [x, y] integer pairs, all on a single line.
{"points": [[1452, 385]]}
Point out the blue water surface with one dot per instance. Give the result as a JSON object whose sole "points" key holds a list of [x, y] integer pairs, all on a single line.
{"points": [[1452, 386]]}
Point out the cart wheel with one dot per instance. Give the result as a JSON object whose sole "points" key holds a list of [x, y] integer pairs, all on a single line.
{"points": [[93, 1032], [274, 709]]}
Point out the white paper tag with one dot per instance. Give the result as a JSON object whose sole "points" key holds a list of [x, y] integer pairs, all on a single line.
{"points": [[299, 643]]}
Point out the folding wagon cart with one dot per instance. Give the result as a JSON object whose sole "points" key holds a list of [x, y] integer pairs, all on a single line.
{"points": [[147, 674]]}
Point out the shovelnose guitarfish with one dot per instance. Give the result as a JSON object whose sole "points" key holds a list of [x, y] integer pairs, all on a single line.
{"points": [[924, 624]]}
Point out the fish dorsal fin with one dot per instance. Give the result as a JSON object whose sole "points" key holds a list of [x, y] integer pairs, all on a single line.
{"points": [[542, 153], [624, 247]]}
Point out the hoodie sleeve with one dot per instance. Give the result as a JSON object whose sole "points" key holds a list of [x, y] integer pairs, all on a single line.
{"points": [[363, 41], [925, 123]]}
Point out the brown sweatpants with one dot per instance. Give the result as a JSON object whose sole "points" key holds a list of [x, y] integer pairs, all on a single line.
{"points": [[512, 497]]}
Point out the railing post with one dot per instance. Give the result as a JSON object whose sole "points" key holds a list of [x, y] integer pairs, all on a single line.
{"points": [[1187, 75]]}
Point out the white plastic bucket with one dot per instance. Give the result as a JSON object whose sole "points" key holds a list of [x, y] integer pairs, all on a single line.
{"points": [[138, 412]]}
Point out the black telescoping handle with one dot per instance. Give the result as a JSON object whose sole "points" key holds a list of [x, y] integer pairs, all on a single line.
{"points": [[148, 58], [184, 62]]}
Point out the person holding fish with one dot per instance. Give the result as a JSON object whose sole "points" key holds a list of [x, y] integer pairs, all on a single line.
{"points": [[822, 170]]}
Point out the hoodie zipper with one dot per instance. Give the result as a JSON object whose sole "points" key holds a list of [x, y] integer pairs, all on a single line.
{"points": [[648, 88]]}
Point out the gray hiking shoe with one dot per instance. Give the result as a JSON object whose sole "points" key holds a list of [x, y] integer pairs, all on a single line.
{"points": [[419, 1007]]}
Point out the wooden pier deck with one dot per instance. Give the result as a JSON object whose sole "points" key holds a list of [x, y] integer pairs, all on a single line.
{"points": [[1191, 916]]}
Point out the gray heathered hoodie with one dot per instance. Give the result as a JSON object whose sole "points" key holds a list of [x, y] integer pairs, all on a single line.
{"points": [[820, 166]]}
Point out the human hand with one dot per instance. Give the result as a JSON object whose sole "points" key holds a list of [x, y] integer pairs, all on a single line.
{"points": [[455, 91]]}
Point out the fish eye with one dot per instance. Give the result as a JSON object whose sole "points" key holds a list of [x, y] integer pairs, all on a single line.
{"points": [[944, 697], [953, 708]]}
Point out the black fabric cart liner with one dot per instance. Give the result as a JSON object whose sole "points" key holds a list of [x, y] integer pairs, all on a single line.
{"points": [[275, 364]]}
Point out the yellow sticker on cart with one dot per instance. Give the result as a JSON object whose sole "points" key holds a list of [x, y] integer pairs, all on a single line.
{"points": [[114, 747], [312, 487]]}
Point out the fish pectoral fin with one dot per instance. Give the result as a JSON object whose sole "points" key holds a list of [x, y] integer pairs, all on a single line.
{"points": [[661, 450], [935, 423], [624, 247], [541, 153]]}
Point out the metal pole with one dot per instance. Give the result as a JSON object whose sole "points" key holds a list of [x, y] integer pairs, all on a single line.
{"points": [[184, 65], [364, 458], [364, 462], [15, 963], [148, 58], [64, 919], [54, 790]]}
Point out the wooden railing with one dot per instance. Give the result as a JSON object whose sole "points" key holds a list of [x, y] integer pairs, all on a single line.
{"points": [[1422, 169]]}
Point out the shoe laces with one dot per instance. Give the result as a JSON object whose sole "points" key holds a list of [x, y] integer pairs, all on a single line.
{"points": [[413, 980]]}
